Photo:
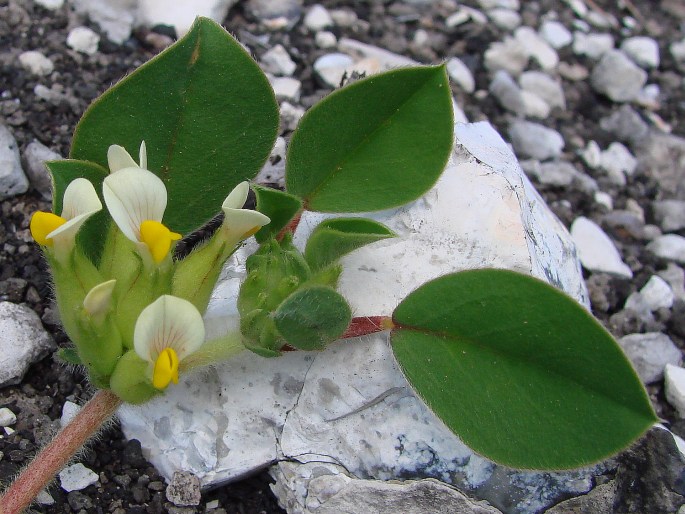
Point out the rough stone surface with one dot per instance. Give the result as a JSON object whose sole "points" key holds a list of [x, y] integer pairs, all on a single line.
{"points": [[23, 341], [650, 353], [674, 382], [617, 77], [601, 499], [319, 407], [184, 489], [35, 156], [12, 179], [77, 477], [662, 157], [596, 250]]}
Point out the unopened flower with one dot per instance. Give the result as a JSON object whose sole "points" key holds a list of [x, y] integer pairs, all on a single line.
{"points": [[167, 331], [59, 232], [240, 223], [136, 199], [118, 158], [99, 299]]}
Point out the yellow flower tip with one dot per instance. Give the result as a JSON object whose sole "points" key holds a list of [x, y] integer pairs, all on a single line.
{"points": [[42, 224], [166, 369], [158, 239], [251, 232]]}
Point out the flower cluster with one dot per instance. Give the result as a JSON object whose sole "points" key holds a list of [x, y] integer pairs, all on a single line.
{"points": [[135, 316]]}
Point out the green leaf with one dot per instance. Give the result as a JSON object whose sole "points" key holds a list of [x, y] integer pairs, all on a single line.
{"points": [[206, 113], [378, 143], [312, 317], [280, 206], [333, 238], [69, 356], [519, 371], [91, 236]]}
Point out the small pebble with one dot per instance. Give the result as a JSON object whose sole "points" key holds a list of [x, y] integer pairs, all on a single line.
{"points": [[318, 18], [84, 40], [77, 477], [674, 382], [184, 489], [650, 353], [7, 417], [36, 63], [596, 250]]}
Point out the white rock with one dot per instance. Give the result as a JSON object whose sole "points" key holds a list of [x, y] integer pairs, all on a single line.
{"points": [[12, 179], [277, 61], [505, 19], [649, 97], [362, 51], [543, 86], [534, 106], [35, 62], [286, 88], [461, 74], [482, 212], [592, 45], [77, 477], [509, 55], [35, 156], [618, 161], [507, 92], [578, 7], [317, 18], [180, 15], [327, 489], [557, 173], [657, 293], [8, 430], [7, 417], [644, 51], [44, 498], [116, 18], [325, 39], [674, 384], [675, 276], [592, 154], [670, 247], [556, 34], [537, 48], [534, 140], [465, 14], [670, 214], [650, 353], [69, 410], [23, 341], [51, 5], [677, 49], [604, 199], [84, 40], [514, 5], [596, 250], [331, 68], [617, 77], [290, 115]]}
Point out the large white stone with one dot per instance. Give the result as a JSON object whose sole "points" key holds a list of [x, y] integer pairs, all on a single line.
{"points": [[349, 404], [180, 15], [13, 181]]}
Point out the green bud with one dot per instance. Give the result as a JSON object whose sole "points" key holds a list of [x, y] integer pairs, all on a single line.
{"points": [[129, 380]]}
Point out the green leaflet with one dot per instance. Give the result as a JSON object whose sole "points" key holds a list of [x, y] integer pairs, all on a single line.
{"points": [[378, 143], [280, 206], [518, 370]]}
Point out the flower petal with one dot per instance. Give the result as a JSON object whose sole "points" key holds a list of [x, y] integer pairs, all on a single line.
{"points": [[165, 369], [236, 198], [168, 322], [142, 155], [99, 298], [44, 223], [134, 195], [240, 224], [158, 239], [80, 198], [118, 159]]}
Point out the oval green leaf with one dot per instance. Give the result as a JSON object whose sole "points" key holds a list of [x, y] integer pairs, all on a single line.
{"points": [[333, 238], [279, 206], [377, 143], [91, 236], [312, 317], [206, 113], [519, 371]]}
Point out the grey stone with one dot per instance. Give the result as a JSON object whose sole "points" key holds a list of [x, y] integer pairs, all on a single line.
{"points": [[12, 179], [628, 126], [657, 293], [275, 15], [51, 5], [502, 4], [600, 500], [592, 45], [277, 61], [675, 276], [537, 48], [509, 55], [317, 18], [330, 68], [7, 417], [592, 154], [180, 15], [650, 353], [349, 403], [461, 74], [325, 39], [385, 60], [553, 173], [617, 77], [662, 157], [596, 250], [507, 92], [574, 72], [674, 386], [84, 40], [286, 88], [184, 489], [77, 477], [505, 19], [35, 62], [618, 160], [35, 156], [677, 49], [534, 106], [669, 214], [290, 116], [556, 34], [23, 341], [328, 490], [670, 247], [545, 87], [534, 140], [644, 51]]}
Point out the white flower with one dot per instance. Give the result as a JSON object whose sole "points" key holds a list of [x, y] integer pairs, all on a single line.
{"points": [[136, 199], [118, 158], [167, 331], [240, 223], [98, 300], [80, 202]]}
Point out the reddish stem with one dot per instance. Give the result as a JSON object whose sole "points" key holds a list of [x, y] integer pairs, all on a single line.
{"points": [[291, 227], [51, 459], [361, 326]]}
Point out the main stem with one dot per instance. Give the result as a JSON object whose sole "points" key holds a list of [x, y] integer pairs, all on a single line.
{"points": [[51, 459]]}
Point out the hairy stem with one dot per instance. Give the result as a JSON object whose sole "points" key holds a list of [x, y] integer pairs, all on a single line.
{"points": [[51, 459]]}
